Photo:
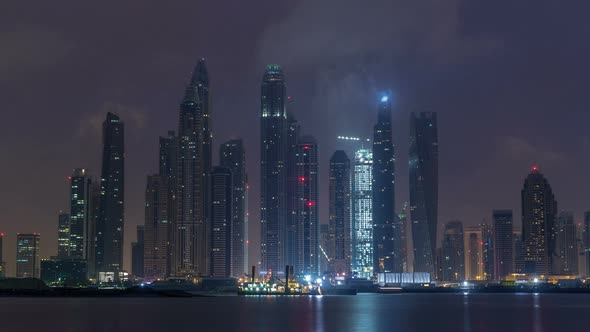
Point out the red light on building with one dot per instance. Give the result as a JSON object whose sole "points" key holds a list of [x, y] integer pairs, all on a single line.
{"points": [[535, 168], [306, 147], [302, 179], [69, 177], [309, 203]]}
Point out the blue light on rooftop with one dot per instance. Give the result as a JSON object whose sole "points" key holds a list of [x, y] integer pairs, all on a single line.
{"points": [[384, 99]]}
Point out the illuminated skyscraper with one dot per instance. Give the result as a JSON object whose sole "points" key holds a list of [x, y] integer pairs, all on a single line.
{"points": [[586, 242], [191, 239], [362, 205], [233, 157], [273, 145], [453, 252], [79, 195], [539, 210], [387, 248], [503, 244], [487, 236], [339, 218], [167, 173], [308, 259], [565, 260], [473, 249], [423, 166], [28, 260], [157, 228], [292, 181], [63, 235], [138, 253], [111, 225], [221, 221], [91, 221]]}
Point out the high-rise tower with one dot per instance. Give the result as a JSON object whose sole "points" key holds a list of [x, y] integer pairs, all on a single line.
{"points": [[503, 244], [453, 252], [191, 241], [110, 225], [539, 210], [221, 221], [423, 166], [157, 228], [292, 182], [385, 256], [362, 214], [233, 157], [63, 235], [28, 259], [79, 195], [565, 260], [167, 174], [308, 246], [273, 144], [339, 201]]}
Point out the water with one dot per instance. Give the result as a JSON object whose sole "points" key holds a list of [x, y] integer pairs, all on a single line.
{"points": [[364, 312]]}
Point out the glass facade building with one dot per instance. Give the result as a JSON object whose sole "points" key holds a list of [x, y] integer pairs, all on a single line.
{"points": [[362, 204]]}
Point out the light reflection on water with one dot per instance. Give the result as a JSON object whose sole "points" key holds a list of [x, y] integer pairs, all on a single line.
{"points": [[364, 312]]}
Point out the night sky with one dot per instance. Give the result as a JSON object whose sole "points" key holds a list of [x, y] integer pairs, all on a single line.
{"points": [[508, 78]]}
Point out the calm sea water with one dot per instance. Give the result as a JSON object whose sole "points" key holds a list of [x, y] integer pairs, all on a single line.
{"points": [[364, 312]]}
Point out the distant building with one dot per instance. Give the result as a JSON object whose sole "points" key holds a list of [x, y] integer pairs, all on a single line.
{"points": [[137, 253], [233, 156], [324, 240], [586, 242], [2, 263], [423, 167], [28, 260], [168, 170], [453, 252], [387, 255], [362, 214], [565, 261], [63, 235], [79, 197], [339, 213], [539, 210], [64, 271], [473, 246], [487, 236], [307, 194], [503, 244], [91, 233], [157, 228], [292, 182], [221, 221], [110, 224]]}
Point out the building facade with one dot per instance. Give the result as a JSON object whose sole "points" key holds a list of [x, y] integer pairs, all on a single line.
{"points": [[453, 252], [157, 228], [28, 260], [339, 214], [79, 195], [423, 166], [473, 249], [222, 191], [362, 214], [111, 223], [565, 260], [137, 253], [63, 235], [503, 244]]}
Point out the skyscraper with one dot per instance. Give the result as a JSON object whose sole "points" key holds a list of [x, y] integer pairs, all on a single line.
{"points": [[473, 251], [168, 172], [387, 255], [79, 192], [157, 228], [423, 165], [191, 241], [292, 181], [221, 221], [362, 214], [28, 260], [137, 253], [586, 242], [565, 260], [453, 253], [503, 244], [307, 209], [91, 222], [487, 236], [339, 218], [324, 243], [63, 235], [539, 210], [2, 263], [273, 144], [111, 223], [233, 157]]}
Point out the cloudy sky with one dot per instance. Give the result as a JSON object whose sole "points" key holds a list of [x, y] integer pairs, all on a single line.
{"points": [[509, 80]]}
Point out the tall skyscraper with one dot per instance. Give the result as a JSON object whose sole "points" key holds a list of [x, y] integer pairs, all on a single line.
{"points": [[565, 260], [157, 228], [137, 253], [233, 157], [453, 253], [324, 240], [111, 220], [503, 244], [539, 210], [91, 222], [362, 214], [191, 241], [292, 182], [273, 144], [2, 263], [308, 259], [473, 251], [221, 221], [168, 172], [63, 235], [404, 229], [487, 236], [28, 260], [79, 192], [387, 255], [586, 242], [339, 218], [423, 165]]}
